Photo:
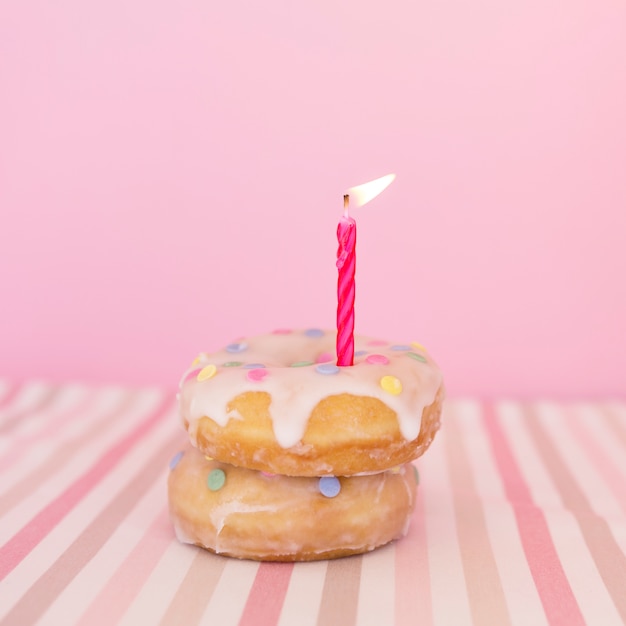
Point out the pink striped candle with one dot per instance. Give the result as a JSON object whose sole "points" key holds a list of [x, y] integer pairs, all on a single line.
{"points": [[346, 264]]}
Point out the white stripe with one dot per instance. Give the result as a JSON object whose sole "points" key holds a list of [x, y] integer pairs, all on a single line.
{"points": [[579, 567], [152, 602], [231, 593], [35, 453], [78, 595], [447, 579], [304, 594], [61, 537], [82, 459], [521, 595], [35, 421], [605, 438], [377, 589], [28, 397], [597, 493]]}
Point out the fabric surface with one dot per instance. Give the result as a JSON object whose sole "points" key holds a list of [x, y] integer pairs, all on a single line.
{"points": [[521, 519]]}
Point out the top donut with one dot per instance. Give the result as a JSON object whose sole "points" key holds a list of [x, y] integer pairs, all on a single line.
{"points": [[278, 403]]}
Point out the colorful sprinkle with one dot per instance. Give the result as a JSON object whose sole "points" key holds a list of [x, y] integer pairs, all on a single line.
{"points": [[324, 357], [176, 459], [417, 357], [198, 359], [268, 474], [377, 359], [314, 332], [395, 470], [391, 385], [206, 372], [301, 364], [327, 368], [208, 458], [232, 364], [254, 366], [419, 346], [416, 474], [400, 348], [257, 375], [329, 486], [237, 347], [376, 342], [360, 353], [282, 331], [216, 479]]}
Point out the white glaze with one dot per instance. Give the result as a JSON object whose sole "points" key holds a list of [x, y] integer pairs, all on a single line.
{"points": [[295, 391]]}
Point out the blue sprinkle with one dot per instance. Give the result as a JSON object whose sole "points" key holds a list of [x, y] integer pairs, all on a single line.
{"points": [[401, 348], [327, 368], [254, 366], [360, 353], [176, 459], [329, 486], [314, 332], [236, 347]]}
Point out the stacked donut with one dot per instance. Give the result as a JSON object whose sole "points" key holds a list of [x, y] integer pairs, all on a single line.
{"points": [[293, 458]]}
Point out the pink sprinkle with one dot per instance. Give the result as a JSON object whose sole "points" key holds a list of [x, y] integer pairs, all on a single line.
{"points": [[325, 357], [376, 342], [257, 375], [192, 374], [282, 331], [377, 359]]}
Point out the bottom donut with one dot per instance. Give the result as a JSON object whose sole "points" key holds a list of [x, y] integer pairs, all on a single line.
{"points": [[251, 515]]}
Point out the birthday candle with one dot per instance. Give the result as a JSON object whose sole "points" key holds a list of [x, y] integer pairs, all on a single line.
{"points": [[346, 265]]}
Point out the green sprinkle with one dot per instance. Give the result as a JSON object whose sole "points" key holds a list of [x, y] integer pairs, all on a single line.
{"points": [[417, 357], [302, 364], [216, 479], [232, 364], [417, 475]]}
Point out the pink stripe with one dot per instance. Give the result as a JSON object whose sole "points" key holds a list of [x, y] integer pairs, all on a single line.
{"points": [[552, 585], [413, 595], [266, 598], [21, 544], [47, 397], [120, 591], [612, 476], [18, 447], [9, 396]]}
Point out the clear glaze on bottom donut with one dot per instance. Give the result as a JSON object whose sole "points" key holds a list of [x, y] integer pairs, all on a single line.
{"points": [[254, 515]]}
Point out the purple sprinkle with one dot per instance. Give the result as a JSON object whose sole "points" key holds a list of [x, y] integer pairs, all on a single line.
{"points": [[329, 486], [236, 347], [327, 368], [254, 366], [314, 332], [176, 459], [400, 348]]}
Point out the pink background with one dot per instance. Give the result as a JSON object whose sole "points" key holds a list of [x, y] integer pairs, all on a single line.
{"points": [[171, 177]]}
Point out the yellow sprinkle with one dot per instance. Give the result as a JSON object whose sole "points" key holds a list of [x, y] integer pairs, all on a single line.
{"points": [[208, 458], [207, 372], [395, 470], [419, 346], [391, 385]]}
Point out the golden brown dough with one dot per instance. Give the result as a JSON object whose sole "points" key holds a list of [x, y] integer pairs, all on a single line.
{"points": [[281, 518]]}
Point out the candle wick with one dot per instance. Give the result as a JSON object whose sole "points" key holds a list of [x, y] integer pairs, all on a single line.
{"points": [[346, 204]]}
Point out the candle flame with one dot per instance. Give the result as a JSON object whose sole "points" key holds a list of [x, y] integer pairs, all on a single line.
{"points": [[362, 194]]}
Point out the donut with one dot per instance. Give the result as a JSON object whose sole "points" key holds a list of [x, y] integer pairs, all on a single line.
{"points": [[247, 514], [278, 403]]}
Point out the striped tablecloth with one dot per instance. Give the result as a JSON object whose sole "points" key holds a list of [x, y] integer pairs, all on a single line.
{"points": [[521, 519]]}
